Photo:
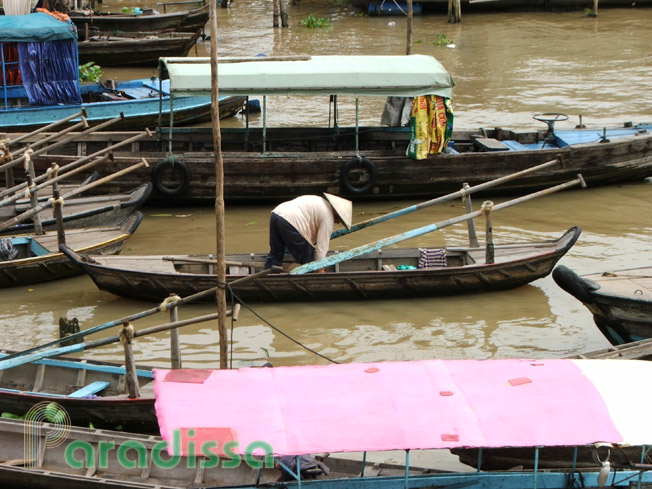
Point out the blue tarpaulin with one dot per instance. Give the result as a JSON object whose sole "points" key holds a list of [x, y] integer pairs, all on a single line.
{"points": [[47, 57], [34, 28]]}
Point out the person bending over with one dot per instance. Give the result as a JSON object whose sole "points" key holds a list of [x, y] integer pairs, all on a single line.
{"points": [[304, 226]]}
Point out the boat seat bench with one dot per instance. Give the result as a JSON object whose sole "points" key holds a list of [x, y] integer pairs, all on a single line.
{"points": [[90, 389]]}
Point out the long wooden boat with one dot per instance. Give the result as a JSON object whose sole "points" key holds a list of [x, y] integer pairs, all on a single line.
{"points": [[33, 258], [148, 20], [389, 273], [84, 457], [31, 100], [135, 48], [620, 300], [80, 212], [359, 162]]}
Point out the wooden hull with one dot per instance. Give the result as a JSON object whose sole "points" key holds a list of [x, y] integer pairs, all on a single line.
{"points": [[189, 21], [299, 161], [56, 379], [620, 301], [99, 211], [50, 468], [154, 278], [39, 259], [137, 51]]}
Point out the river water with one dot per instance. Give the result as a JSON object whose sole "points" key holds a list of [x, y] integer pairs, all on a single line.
{"points": [[507, 67]]}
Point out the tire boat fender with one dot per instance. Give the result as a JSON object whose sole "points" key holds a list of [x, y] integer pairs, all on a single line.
{"points": [[364, 164], [157, 178]]}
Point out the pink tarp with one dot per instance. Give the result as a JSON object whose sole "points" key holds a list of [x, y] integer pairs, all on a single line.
{"points": [[398, 405]]}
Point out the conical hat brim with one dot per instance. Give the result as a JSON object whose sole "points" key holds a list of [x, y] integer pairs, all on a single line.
{"points": [[343, 208]]}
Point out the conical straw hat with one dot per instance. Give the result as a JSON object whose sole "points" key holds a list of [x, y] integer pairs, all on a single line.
{"points": [[343, 208]]}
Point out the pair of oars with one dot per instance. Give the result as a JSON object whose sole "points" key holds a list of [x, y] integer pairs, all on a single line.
{"points": [[376, 245]]}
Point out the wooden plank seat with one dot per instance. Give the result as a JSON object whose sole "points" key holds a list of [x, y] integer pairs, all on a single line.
{"points": [[490, 144]]}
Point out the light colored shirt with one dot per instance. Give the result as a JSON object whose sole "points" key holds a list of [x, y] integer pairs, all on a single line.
{"points": [[312, 216]]}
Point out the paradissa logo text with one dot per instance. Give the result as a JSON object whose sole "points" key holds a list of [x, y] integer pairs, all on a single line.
{"points": [[133, 454]]}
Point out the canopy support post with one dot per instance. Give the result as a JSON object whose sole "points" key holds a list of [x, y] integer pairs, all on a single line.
{"points": [[357, 126], [407, 469], [364, 462], [489, 232], [264, 123], [536, 467]]}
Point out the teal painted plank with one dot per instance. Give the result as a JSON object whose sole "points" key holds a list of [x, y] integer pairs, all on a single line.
{"points": [[90, 389]]}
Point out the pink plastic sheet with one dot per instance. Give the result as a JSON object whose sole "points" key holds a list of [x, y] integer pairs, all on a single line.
{"points": [[394, 405]]}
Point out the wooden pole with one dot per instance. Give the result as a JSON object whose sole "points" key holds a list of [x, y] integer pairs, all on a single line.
{"points": [[276, 13], [408, 49], [126, 334], [444, 198], [473, 237], [454, 12], [595, 8], [487, 207], [382, 243], [219, 192], [57, 208], [284, 13], [175, 349], [33, 196]]}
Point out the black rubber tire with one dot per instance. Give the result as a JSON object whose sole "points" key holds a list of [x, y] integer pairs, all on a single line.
{"points": [[179, 190], [364, 164]]}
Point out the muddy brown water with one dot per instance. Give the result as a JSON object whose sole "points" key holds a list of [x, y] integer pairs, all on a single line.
{"points": [[507, 67]]}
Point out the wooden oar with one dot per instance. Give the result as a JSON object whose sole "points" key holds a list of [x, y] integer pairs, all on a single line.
{"points": [[63, 141], [444, 198], [35, 210], [58, 178], [43, 129], [83, 160], [376, 245], [19, 358]]}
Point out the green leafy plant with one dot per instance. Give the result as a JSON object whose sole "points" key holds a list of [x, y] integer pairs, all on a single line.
{"points": [[441, 40], [90, 72], [313, 22]]}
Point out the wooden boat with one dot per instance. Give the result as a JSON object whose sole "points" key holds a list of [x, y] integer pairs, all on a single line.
{"points": [[81, 212], [376, 275], [135, 48], [149, 20], [620, 300], [135, 460], [37, 258], [25, 108], [358, 162]]}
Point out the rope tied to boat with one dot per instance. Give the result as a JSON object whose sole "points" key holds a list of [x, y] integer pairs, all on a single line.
{"points": [[126, 333], [168, 300], [54, 201], [28, 159], [52, 172], [487, 207], [6, 155]]}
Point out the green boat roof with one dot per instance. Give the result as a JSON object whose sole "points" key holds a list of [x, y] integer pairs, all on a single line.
{"points": [[401, 76], [34, 28]]}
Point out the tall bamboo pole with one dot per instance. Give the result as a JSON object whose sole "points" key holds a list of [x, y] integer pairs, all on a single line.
{"points": [[219, 190]]}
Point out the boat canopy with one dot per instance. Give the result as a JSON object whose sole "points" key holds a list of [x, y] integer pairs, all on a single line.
{"points": [[35, 27], [427, 404], [400, 76]]}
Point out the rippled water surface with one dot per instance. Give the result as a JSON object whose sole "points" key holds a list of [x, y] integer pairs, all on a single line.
{"points": [[507, 67]]}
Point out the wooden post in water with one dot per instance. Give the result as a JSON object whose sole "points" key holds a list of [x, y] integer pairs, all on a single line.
{"points": [[126, 334], [487, 207], [408, 50], [284, 13], [454, 12], [473, 237], [594, 13], [276, 13], [175, 350], [219, 193]]}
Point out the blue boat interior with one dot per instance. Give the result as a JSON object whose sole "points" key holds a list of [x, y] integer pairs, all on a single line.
{"points": [[560, 139], [21, 247]]}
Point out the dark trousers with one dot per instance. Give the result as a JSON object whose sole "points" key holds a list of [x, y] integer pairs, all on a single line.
{"points": [[284, 235]]}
